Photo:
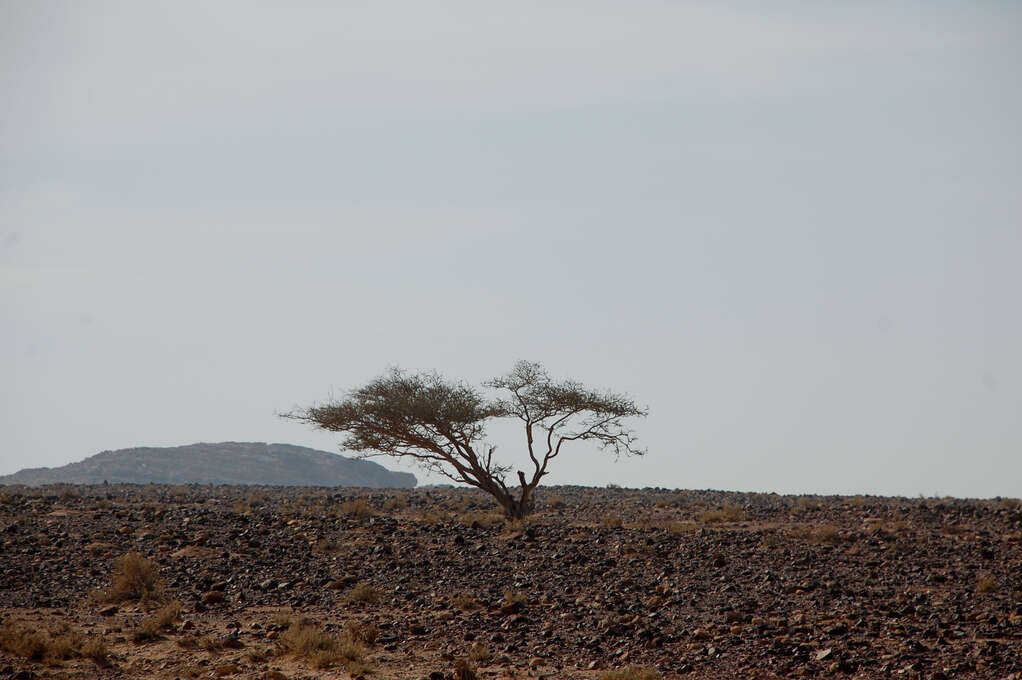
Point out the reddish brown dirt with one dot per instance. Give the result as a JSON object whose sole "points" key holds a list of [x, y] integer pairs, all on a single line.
{"points": [[693, 584]]}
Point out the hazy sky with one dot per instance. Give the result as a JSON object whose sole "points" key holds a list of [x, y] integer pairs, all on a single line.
{"points": [[792, 229]]}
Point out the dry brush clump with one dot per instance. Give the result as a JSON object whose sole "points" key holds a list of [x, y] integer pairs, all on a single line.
{"points": [[631, 673], [135, 577], [395, 504], [365, 592], [356, 509], [482, 520], [479, 653], [611, 521], [463, 670], [824, 533], [41, 645], [305, 640], [727, 513], [161, 620], [985, 583]]}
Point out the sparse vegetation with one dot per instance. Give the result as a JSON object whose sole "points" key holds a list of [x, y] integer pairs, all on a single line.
{"points": [[395, 504], [356, 509], [463, 670], [824, 533], [135, 577], [858, 579], [985, 583], [727, 513], [556, 503], [34, 643], [479, 653], [160, 620], [611, 521], [682, 528], [307, 641], [482, 520], [803, 505], [95, 648], [631, 673], [365, 592]]}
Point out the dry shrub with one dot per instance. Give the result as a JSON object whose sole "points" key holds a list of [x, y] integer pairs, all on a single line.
{"points": [[682, 528], [728, 513], [954, 529], [188, 642], [365, 592], [611, 521], [896, 527], [96, 649], [479, 653], [435, 517], [824, 533], [135, 577], [556, 503], [355, 631], [24, 641], [803, 505], [827, 533], [481, 520], [306, 640], [210, 644], [356, 509], [463, 670], [35, 644], [679, 499], [1010, 503], [395, 504], [161, 620], [631, 673], [985, 583]]}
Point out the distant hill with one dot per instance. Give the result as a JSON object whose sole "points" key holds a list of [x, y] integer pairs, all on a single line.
{"points": [[223, 463]]}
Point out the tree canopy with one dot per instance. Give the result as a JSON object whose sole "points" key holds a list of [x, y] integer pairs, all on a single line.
{"points": [[441, 425]]}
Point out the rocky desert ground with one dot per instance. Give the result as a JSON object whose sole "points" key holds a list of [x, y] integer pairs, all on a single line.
{"points": [[146, 581]]}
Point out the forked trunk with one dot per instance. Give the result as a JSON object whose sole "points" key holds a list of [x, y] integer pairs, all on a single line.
{"points": [[516, 508]]}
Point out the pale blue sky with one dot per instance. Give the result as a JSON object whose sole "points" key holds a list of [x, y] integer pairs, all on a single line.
{"points": [[792, 229]]}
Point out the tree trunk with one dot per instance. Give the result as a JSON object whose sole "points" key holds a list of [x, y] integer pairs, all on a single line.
{"points": [[514, 508]]}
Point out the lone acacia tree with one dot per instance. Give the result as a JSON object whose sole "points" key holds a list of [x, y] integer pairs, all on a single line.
{"points": [[441, 425]]}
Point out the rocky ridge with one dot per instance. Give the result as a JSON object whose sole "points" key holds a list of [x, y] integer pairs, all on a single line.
{"points": [[220, 463]]}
